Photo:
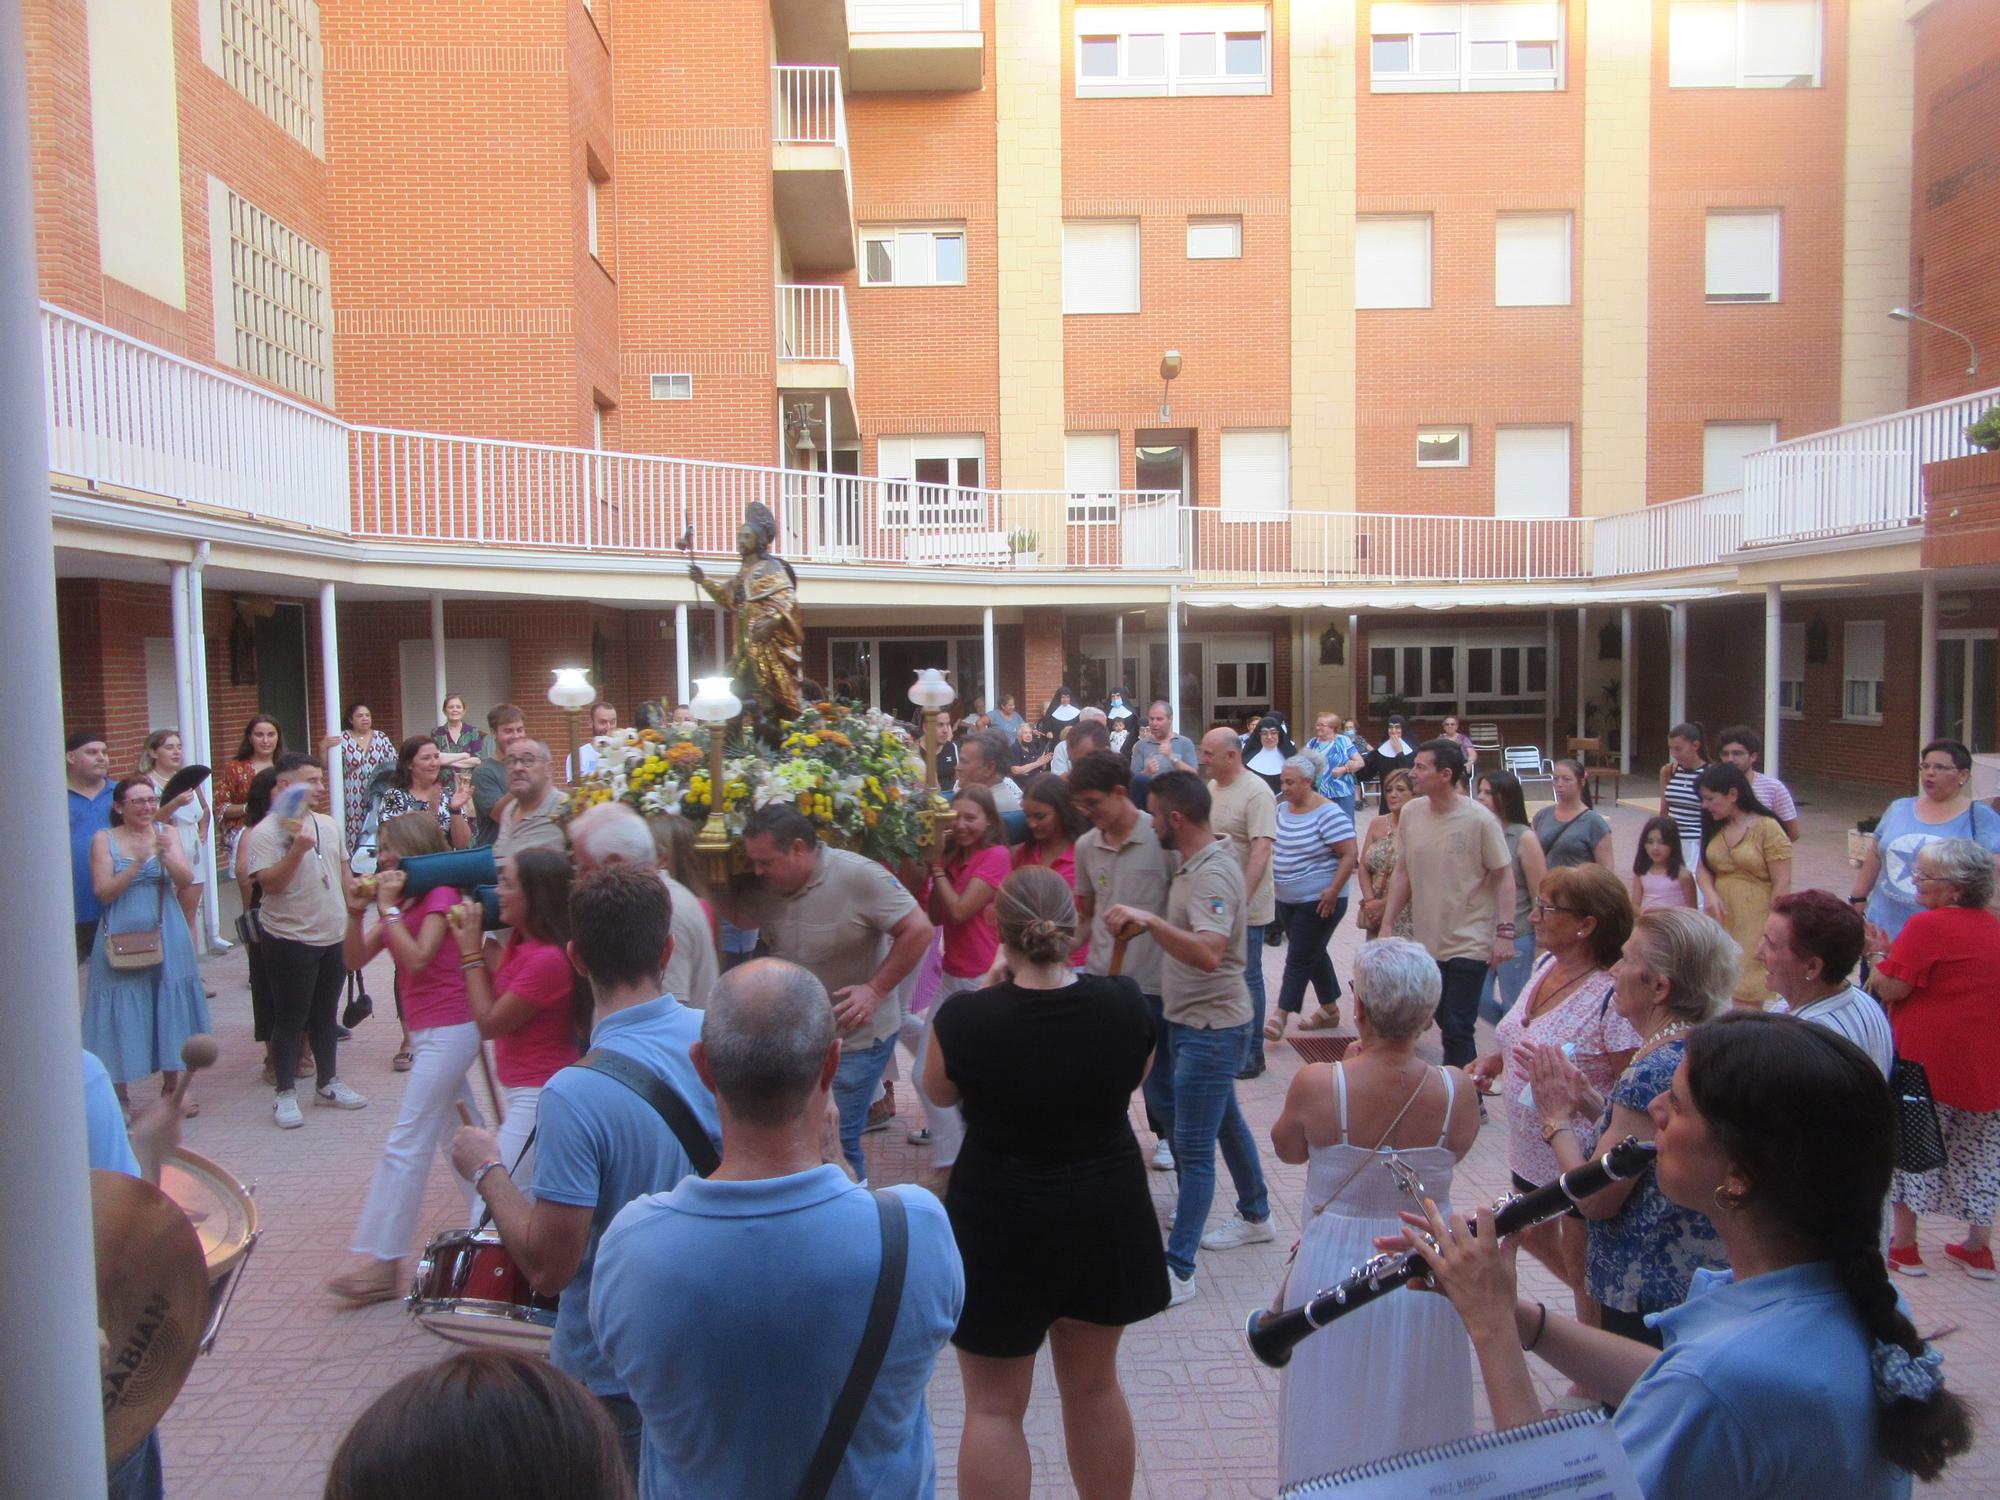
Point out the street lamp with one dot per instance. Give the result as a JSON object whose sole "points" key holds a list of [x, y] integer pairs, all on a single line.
{"points": [[572, 693], [1905, 315], [715, 703], [931, 693], [1170, 366]]}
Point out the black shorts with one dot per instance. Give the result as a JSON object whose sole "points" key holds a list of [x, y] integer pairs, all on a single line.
{"points": [[1522, 1185]]}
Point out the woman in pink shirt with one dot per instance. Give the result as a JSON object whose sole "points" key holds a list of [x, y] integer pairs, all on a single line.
{"points": [[443, 1042], [525, 994], [1054, 826]]}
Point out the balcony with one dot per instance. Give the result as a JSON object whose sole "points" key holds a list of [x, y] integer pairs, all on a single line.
{"points": [[810, 31], [910, 46], [1698, 532], [1226, 547], [811, 189], [815, 351]]}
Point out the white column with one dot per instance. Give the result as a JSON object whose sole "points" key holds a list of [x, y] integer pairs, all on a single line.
{"points": [[177, 609], [50, 1428], [1118, 653], [1927, 668], [683, 671], [439, 684], [329, 674], [1582, 655], [992, 694], [1174, 655], [1677, 663], [1774, 635], [1628, 692], [1548, 683], [197, 744]]}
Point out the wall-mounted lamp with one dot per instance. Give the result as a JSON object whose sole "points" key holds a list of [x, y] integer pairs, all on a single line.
{"points": [[1905, 315], [1170, 366]]}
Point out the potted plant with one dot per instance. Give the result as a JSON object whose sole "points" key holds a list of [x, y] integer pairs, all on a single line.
{"points": [[1985, 433], [1019, 541]]}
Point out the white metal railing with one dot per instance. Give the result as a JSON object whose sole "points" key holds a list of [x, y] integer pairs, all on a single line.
{"points": [[806, 106], [121, 412], [1303, 546], [913, 15], [812, 326], [1866, 476], [1693, 533]]}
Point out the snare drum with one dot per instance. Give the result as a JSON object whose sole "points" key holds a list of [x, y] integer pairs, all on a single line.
{"points": [[469, 1290], [224, 1215]]}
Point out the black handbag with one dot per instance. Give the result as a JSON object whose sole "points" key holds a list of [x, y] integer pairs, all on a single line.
{"points": [[1919, 1140]]}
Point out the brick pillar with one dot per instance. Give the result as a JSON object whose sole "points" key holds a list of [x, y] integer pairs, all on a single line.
{"points": [[1042, 660]]}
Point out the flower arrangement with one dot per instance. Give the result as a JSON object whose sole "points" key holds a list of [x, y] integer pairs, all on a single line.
{"points": [[853, 772]]}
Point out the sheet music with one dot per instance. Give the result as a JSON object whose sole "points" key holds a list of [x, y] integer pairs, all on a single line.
{"points": [[1574, 1457]]}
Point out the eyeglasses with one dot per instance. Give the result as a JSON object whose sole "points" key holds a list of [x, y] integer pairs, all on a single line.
{"points": [[522, 760], [1543, 908], [1919, 878]]}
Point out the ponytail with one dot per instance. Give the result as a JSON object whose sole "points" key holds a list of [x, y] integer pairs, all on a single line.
{"points": [[1919, 1434]]}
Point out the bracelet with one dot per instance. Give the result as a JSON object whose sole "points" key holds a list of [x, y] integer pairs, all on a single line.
{"points": [[467, 964], [1541, 1325], [1503, 929], [1857, 900], [484, 1168]]}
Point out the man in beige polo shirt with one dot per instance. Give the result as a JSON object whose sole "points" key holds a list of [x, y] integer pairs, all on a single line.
{"points": [[1208, 1018], [527, 820], [851, 923], [1245, 813]]}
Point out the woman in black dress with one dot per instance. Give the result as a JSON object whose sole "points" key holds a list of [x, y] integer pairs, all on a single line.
{"points": [[1049, 1200]]}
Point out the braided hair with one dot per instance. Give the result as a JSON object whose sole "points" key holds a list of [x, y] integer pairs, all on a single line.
{"points": [[1806, 1116]]}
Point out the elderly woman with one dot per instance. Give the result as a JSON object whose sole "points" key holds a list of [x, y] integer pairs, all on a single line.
{"points": [[1797, 1372], [1266, 749], [1378, 859], [1746, 864], [1029, 754], [1582, 918], [1394, 1375], [1641, 1249], [1943, 809], [1811, 944], [1937, 980], [1312, 860], [1572, 832]]}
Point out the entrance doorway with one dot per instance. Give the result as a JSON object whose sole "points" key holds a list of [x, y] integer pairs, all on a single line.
{"points": [[281, 672], [1966, 678]]}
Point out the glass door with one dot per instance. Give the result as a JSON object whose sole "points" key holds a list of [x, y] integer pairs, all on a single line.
{"points": [[1967, 662]]}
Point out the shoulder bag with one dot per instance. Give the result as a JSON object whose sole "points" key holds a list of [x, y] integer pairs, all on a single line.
{"points": [[1919, 1140], [875, 1335], [664, 1098], [138, 950]]}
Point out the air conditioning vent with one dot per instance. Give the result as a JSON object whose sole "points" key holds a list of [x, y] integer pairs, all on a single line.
{"points": [[673, 387]]}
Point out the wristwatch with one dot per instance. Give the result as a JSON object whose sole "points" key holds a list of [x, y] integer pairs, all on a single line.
{"points": [[1553, 1128], [392, 913]]}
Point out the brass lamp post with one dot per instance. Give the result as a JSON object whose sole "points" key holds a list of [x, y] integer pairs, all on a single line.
{"points": [[572, 693], [932, 694], [714, 704]]}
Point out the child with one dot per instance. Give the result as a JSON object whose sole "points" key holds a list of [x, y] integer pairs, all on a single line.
{"points": [[1659, 879]]}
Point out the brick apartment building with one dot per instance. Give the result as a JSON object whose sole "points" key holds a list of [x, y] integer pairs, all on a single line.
{"points": [[1530, 361]]}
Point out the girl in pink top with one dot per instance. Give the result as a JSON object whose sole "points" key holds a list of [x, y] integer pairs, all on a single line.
{"points": [[1054, 826], [1659, 879], [443, 1043], [525, 995]]}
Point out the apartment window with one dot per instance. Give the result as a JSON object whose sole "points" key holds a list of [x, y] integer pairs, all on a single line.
{"points": [[1392, 260], [1215, 239], [1792, 670], [596, 188], [1446, 49], [1743, 44], [269, 52], [1256, 472], [273, 317], [1743, 255], [677, 386], [1861, 670], [1090, 475], [1444, 448], [1724, 445], [1100, 266], [1138, 51], [1531, 471], [921, 256], [1531, 260], [931, 476]]}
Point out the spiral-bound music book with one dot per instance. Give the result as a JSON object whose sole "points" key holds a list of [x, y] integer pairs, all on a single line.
{"points": [[1573, 1457]]}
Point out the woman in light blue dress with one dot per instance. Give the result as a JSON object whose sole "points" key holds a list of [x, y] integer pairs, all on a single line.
{"points": [[135, 1020]]}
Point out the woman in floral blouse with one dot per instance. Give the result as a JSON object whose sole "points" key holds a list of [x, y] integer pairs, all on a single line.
{"points": [[364, 751]]}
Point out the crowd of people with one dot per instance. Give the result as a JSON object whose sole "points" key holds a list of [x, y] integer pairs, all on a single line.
{"points": [[680, 1160]]}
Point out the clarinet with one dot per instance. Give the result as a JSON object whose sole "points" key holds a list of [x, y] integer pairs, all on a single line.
{"points": [[1273, 1335]]}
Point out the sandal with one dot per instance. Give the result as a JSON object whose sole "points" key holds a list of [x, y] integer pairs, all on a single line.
{"points": [[1326, 1018], [402, 1062], [1274, 1029]]}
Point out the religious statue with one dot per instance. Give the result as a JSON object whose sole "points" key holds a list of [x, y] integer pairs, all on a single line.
{"points": [[764, 598]]}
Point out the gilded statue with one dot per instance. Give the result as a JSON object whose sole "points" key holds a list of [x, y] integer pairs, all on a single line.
{"points": [[764, 598]]}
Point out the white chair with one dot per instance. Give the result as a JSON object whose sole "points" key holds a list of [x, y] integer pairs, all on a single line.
{"points": [[1528, 763], [1485, 735]]}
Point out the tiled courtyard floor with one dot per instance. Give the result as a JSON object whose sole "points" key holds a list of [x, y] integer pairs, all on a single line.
{"points": [[261, 1416]]}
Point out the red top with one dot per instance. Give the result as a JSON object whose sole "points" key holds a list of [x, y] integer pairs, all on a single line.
{"points": [[435, 994], [540, 974], [970, 947], [1030, 853], [1951, 1020]]}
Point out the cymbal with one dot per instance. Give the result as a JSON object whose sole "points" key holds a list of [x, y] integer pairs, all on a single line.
{"points": [[152, 1299]]}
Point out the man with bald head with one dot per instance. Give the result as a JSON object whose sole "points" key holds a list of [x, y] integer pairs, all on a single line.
{"points": [[613, 834], [771, 1263], [528, 820], [1245, 813]]}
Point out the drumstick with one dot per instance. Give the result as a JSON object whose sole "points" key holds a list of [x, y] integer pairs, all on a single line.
{"points": [[465, 1115], [1118, 942], [492, 1090], [198, 1051]]}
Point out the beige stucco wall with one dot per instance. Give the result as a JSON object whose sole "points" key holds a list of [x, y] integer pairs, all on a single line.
{"points": [[1027, 70], [1322, 208], [1618, 88], [1875, 245], [135, 146]]}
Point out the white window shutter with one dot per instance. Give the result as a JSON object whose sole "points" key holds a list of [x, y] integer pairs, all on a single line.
{"points": [[1781, 42], [1791, 652], [1101, 266], [1724, 445], [1090, 462], [1392, 261], [1743, 255], [1531, 471], [1531, 260], [1506, 23], [1701, 44], [1861, 651], [1256, 470]]}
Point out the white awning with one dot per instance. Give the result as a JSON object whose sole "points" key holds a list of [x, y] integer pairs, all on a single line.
{"points": [[1456, 596]]}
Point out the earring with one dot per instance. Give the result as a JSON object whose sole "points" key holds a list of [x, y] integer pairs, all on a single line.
{"points": [[1728, 1202]]}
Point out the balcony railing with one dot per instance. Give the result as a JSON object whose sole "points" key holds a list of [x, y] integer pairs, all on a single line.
{"points": [[806, 107], [1866, 476], [1694, 533], [913, 15], [1254, 547], [812, 326]]}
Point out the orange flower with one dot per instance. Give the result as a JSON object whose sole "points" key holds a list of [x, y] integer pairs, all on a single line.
{"points": [[835, 737]]}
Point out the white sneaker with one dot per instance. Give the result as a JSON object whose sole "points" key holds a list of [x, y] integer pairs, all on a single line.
{"points": [[286, 1111], [1163, 1156], [337, 1095], [1179, 1290], [1237, 1230]]}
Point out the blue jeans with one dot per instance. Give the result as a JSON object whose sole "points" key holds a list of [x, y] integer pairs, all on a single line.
{"points": [[1458, 1008], [1306, 960], [854, 1089], [1346, 802], [140, 1475], [631, 1427], [1206, 1061], [1503, 985], [1158, 1089], [1253, 979]]}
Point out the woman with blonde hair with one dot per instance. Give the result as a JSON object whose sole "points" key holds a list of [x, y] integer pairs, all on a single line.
{"points": [[1378, 860], [1049, 1201]]}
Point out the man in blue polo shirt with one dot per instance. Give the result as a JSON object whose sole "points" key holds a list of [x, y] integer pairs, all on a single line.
{"points": [[711, 1296], [87, 767], [600, 1144]]}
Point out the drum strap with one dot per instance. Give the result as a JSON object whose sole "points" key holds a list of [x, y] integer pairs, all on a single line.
{"points": [[868, 1358], [656, 1091]]}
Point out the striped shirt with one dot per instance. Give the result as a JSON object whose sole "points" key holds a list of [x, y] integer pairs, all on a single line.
{"points": [[1858, 1016], [1302, 857], [1684, 802], [1775, 795]]}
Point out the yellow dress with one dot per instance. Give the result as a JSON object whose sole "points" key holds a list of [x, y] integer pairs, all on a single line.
{"points": [[1743, 879]]}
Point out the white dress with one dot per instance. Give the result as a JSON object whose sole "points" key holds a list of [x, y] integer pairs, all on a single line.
{"points": [[1388, 1377]]}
